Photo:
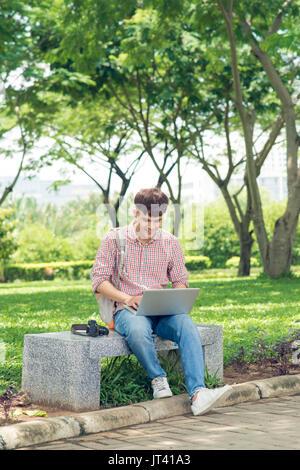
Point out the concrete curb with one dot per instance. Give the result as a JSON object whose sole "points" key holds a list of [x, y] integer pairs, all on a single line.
{"points": [[63, 427]]}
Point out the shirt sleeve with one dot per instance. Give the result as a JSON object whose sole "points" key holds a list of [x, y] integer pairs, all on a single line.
{"points": [[103, 266], [177, 272]]}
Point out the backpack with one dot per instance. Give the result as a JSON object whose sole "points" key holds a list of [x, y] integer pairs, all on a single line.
{"points": [[106, 305]]}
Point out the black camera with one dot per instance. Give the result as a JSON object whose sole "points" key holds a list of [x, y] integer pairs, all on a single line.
{"points": [[91, 329]]}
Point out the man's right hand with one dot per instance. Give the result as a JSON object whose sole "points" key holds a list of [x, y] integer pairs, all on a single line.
{"points": [[133, 301]]}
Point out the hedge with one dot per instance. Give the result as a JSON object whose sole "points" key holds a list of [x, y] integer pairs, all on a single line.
{"points": [[73, 269], [48, 271], [197, 262], [235, 261]]}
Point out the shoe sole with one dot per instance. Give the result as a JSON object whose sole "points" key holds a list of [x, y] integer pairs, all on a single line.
{"points": [[163, 395], [208, 407]]}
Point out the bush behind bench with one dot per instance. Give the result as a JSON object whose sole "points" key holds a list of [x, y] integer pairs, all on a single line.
{"points": [[73, 269]]}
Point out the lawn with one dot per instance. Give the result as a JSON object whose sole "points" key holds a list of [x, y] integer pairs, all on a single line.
{"points": [[245, 307]]}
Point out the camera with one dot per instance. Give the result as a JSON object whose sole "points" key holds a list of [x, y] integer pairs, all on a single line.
{"points": [[91, 329]]}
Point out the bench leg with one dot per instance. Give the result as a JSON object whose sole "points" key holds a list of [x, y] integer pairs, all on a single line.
{"points": [[60, 373], [213, 358]]}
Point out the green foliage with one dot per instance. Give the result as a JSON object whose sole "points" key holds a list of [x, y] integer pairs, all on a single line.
{"points": [[193, 263], [70, 230], [235, 260], [265, 352], [212, 381], [8, 244], [85, 244], [66, 220], [72, 269], [220, 239], [240, 305], [221, 242], [48, 271], [168, 64], [73, 232], [39, 244], [123, 382]]}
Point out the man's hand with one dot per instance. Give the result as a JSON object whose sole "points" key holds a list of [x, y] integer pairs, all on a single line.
{"points": [[133, 301]]}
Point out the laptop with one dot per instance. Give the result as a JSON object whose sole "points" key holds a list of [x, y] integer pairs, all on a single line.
{"points": [[157, 302]]}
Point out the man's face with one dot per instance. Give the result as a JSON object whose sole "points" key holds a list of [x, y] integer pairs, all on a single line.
{"points": [[146, 226]]}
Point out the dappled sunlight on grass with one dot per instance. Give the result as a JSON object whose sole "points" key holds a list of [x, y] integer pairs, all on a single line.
{"points": [[244, 307]]}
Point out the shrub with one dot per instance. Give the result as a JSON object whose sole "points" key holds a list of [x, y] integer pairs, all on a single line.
{"points": [[296, 256], [235, 260], [265, 352], [48, 271], [197, 262], [8, 243], [73, 269], [38, 244], [85, 244]]}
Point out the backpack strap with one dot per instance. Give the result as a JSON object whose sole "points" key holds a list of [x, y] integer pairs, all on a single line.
{"points": [[121, 243]]}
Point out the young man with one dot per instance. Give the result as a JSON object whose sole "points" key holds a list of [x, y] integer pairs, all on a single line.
{"points": [[153, 259]]}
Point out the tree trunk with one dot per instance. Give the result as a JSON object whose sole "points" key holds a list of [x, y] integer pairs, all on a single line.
{"points": [[278, 255], [281, 246], [247, 124], [246, 242]]}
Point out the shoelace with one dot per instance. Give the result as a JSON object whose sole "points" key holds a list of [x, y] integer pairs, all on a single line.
{"points": [[159, 383]]}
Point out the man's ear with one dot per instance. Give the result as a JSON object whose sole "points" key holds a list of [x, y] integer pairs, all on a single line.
{"points": [[136, 212]]}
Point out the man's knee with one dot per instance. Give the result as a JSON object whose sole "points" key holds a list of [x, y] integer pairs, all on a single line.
{"points": [[184, 328], [137, 329], [183, 321]]}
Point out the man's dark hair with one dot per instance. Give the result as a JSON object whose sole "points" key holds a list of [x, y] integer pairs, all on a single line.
{"points": [[151, 201]]}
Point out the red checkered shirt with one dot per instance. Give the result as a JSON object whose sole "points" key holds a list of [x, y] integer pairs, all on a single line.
{"points": [[150, 266]]}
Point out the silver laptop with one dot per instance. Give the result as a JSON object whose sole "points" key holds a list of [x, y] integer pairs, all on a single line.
{"points": [[156, 302]]}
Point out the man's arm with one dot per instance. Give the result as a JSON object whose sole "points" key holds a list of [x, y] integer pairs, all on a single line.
{"points": [[177, 272], [108, 290], [102, 271]]}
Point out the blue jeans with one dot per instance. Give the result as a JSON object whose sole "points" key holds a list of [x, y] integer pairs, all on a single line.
{"points": [[138, 331]]}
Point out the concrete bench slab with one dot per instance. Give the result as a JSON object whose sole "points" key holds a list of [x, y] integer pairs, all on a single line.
{"points": [[64, 370]]}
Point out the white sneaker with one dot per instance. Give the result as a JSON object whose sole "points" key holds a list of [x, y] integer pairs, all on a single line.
{"points": [[207, 398], [161, 388]]}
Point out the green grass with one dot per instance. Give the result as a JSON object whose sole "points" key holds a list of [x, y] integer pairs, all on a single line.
{"points": [[238, 304]]}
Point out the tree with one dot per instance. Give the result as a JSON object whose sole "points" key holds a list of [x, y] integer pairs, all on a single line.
{"points": [[277, 253], [154, 61], [148, 103], [17, 70], [177, 94], [208, 104], [91, 137]]}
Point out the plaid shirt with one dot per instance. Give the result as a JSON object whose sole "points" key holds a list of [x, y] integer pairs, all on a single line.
{"points": [[150, 266]]}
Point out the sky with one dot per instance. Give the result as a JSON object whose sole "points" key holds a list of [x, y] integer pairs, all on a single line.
{"points": [[146, 175], [197, 185]]}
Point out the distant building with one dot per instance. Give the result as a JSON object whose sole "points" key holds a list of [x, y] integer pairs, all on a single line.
{"points": [[40, 189], [272, 177], [197, 186]]}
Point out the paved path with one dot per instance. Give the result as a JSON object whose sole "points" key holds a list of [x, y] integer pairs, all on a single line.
{"points": [[268, 424]]}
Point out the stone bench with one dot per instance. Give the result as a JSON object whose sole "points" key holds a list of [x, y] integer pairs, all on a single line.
{"points": [[64, 370]]}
